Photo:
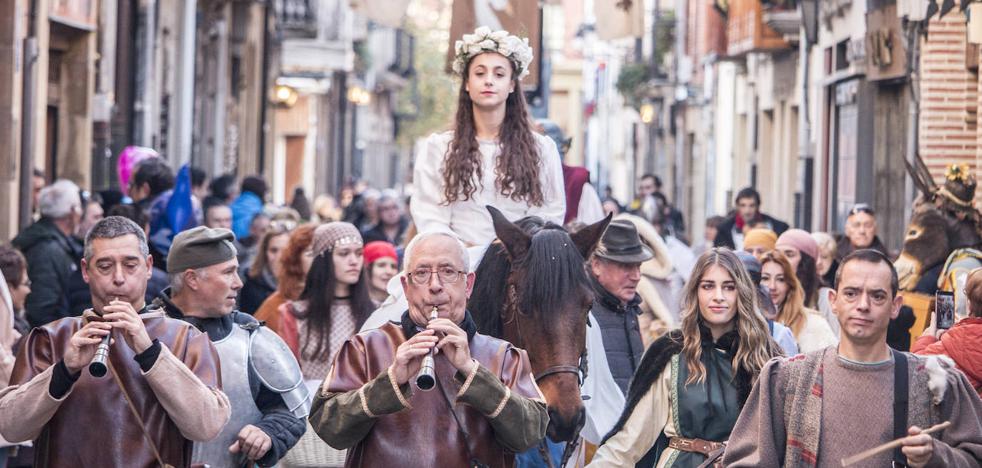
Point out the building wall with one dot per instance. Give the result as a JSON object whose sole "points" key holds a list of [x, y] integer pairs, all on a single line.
{"points": [[12, 30], [890, 122], [949, 98], [566, 105], [724, 127], [978, 129]]}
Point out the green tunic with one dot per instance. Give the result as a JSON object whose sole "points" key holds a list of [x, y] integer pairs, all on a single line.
{"points": [[706, 410]]}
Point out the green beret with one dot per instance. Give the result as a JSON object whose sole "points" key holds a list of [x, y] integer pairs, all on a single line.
{"points": [[200, 247]]}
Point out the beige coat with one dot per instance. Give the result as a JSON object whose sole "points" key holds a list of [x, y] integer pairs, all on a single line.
{"points": [[655, 319]]}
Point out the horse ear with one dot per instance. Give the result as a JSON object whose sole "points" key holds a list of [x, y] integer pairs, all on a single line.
{"points": [[515, 240], [586, 239]]}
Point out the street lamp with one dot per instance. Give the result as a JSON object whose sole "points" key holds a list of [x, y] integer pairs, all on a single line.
{"points": [[284, 95], [359, 96], [647, 112]]}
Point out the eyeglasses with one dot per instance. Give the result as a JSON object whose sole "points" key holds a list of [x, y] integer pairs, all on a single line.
{"points": [[447, 275], [862, 208]]}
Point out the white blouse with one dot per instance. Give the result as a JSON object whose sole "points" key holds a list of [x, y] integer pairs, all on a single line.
{"points": [[469, 219]]}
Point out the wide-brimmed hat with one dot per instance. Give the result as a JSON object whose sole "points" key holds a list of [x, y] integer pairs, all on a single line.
{"points": [[659, 266], [622, 244]]}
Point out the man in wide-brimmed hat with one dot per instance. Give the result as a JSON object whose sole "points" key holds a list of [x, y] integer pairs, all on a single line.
{"points": [[616, 271]]}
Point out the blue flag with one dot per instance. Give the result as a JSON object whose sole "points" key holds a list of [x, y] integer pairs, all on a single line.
{"points": [[180, 210]]}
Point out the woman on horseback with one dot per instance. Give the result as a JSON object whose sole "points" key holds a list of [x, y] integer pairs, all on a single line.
{"points": [[492, 156], [688, 391]]}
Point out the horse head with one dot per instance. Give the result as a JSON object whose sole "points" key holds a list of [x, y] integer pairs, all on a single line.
{"points": [[931, 237], [542, 307]]}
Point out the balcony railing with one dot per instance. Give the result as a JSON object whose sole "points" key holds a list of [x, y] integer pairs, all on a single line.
{"points": [[746, 30], [297, 18]]}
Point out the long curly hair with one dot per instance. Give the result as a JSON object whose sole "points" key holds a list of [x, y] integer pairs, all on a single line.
{"points": [[291, 278], [517, 169], [792, 311], [755, 346]]}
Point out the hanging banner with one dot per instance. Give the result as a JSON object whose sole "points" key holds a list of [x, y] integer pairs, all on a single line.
{"points": [[618, 19], [519, 17]]}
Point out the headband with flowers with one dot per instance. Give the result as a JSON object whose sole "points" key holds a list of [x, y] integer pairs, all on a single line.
{"points": [[484, 40]]}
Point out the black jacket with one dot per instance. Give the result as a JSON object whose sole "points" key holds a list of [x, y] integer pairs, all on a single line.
{"points": [[724, 234], [254, 292], [52, 259], [377, 233], [621, 333], [282, 427]]}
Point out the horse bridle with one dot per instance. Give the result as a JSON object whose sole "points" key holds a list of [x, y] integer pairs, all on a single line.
{"points": [[580, 369]]}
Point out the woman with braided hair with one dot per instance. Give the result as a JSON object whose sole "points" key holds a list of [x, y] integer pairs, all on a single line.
{"points": [[492, 156]]}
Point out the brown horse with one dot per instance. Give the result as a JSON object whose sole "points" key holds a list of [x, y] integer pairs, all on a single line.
{"points": [[533, 291]]}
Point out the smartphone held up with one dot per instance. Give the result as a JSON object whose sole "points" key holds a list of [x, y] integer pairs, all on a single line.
{"points": [[944, 309]]}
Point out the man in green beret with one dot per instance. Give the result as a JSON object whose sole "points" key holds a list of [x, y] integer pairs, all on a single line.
{"points": [[259, 373]]}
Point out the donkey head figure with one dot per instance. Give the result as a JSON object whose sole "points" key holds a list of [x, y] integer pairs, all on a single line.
{"points": [[942, 221]]}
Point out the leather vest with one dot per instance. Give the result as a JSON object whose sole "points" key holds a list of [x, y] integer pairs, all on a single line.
{"points": [[234, 353], [427, 433], [94, 427]]}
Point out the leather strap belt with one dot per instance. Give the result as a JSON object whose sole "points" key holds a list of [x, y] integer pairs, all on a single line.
{"points": [[704, 447]]}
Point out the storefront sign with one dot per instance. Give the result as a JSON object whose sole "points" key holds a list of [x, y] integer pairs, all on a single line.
{"points": [[886, 58]]}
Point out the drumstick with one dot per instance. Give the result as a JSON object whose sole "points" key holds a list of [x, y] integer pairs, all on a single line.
{"points": [[890, 445]]}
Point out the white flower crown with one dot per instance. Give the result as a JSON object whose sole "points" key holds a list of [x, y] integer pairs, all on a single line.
{"points": [[483, 40]]}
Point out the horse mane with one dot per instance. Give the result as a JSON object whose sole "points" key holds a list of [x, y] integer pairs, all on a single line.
{"points": [[553, 264], [554, 269], [490, 290]]}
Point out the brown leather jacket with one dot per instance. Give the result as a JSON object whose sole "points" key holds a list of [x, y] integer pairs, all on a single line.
{"points": [[178, 399], [360, 407]]}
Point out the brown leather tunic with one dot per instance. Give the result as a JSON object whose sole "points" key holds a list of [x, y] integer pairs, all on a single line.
{"points": [[94, 427], [427, 434]]}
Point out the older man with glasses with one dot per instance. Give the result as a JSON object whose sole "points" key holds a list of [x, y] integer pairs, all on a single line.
{"points": [[860, 232], [485, 405]]}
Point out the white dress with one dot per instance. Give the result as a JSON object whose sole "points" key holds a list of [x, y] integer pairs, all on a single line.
{"points": [[469, 219]]}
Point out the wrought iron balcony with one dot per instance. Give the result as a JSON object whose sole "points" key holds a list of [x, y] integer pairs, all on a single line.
{"points": [[315, 36], [297, 18]]}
